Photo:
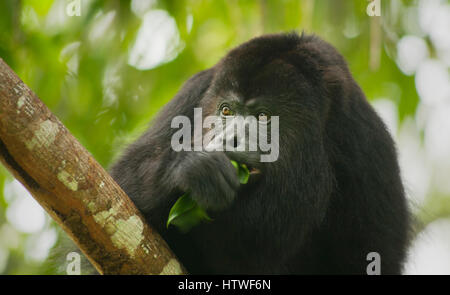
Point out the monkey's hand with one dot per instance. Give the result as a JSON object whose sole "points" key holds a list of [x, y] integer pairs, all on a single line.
{"points": [[210, 178]]}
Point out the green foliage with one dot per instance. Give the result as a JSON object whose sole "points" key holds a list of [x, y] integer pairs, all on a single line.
{"points": [[185, 214], [242, 171]]}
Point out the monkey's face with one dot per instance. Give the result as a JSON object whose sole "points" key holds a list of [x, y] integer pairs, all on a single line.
{"points": [[262, 116], [251, 130], [241, 129]]}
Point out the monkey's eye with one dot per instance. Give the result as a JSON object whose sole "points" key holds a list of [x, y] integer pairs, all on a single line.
{"points": [[226, 111], [263, 117]]}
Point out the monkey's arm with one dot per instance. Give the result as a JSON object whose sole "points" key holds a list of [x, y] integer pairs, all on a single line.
{"points": [[145, 170]]}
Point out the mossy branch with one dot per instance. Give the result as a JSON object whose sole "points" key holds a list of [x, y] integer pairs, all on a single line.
{"points": [[73, 188]]}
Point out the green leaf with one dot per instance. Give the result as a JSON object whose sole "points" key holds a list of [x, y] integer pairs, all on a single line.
{"points": [[185, 214], [236, 165], [242, 172]]}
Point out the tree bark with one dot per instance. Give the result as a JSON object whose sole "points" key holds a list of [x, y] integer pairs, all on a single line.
{"points": [[73, 188]]}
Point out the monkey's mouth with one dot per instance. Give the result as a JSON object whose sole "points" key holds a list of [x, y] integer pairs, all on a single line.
{"points": [[254, 176], [253, 170], [249, 160]]}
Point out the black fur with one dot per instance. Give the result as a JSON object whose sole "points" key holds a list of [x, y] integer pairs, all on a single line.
{"points": [[333, 196]]}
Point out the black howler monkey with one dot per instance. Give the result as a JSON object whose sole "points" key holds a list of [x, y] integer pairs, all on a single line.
{"points": [[333, 195]]}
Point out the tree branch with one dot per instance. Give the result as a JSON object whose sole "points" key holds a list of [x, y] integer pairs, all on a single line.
{"points": [[73, 188]]}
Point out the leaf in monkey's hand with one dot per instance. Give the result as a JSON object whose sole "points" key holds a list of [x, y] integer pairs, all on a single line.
{"points": [[242, 172], [235, 164], [185, 214]]}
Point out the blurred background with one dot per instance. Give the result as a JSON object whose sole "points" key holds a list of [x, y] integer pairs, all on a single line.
{"points": [[106, 67]]}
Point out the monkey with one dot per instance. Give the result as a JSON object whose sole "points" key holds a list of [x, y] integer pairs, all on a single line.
{"points": [[333, 195]]}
